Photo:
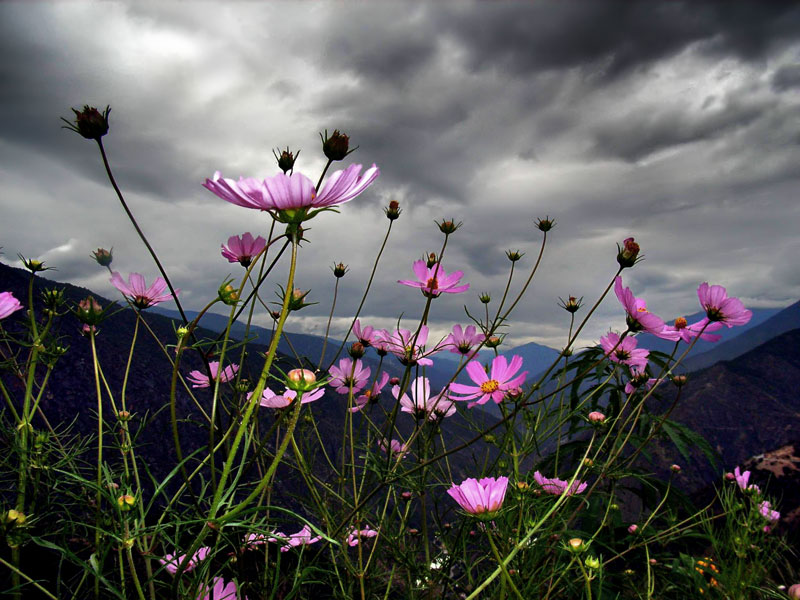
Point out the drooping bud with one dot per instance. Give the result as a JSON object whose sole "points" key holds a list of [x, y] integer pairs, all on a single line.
{"points": [[393, 210], [285, 159], [103, 257], [90, 122], [545, 225], [337, 146], [628, 254], [448, 226], [339, 269], [572, 304]]}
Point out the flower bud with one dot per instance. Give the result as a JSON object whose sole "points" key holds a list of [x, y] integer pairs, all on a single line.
{"points": [[16, 517], [675, 468], [493, 342], [393, 210], [339, 269], [406, 496], [337, 146], [90, 122], [794, 591], [485, 298], [588, 462], [679, 380], [627, 256], [523, 486], [576, 545], [572, 304], [633, 528], [285, 159], [653, 562], [124, 415], [228, 294], [103, 257], [566, 352], [413, 531], [301, 380], [514, 255], [356, 350], [394, 381], [430, 260], [730, 476], [182, 332], [545, 225], [596, 417], [89, 311], [448, 226], [126, 502], [592, 562]]}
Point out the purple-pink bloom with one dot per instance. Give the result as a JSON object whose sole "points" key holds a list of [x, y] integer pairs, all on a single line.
{"points": [[292, 192], [719, 308], [435, 280], [624, 352], [355, 535], [171, 562], [687, 333], [421, 404], [243, 248], [220, 590], [344, 376], [492, 387], [400, 344], [371, 395], [461, 341], [201, 380], [765, 509], [397, 448], [303, 537], [8, 304], [137, 291], [639, 380], [638, 317], [366, 336], [270, 399], [742, 480], [557, 486], [480, 497]]}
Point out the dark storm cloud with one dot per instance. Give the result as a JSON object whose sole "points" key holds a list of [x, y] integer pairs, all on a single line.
{"points": [[786, 78]]}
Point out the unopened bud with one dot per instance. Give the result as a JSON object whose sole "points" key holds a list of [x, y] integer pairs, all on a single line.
{"points": [[431, 260], [523, 486], [514, 255], [633, 528], [356, 350], [627, 256], [448, 226], [16, 517], [337, 146], [285, 159], [679, 380], [406, 496], [90, 122], [493, 342], [485, 298], [596, 417], [675, 468], [571, 305], [126, 502], [89, 311], [576, 545], [300, 380], [103, 257], [124, 415], [339, 269], [393, 210], [228, 294], [592, 562], [394, 381], [545, 225]]}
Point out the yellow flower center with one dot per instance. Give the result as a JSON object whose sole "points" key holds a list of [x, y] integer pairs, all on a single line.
{"points": [[432, 284], [680, 323], [490, 386]]}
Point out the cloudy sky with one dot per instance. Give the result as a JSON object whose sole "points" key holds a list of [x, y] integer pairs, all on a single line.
{"points": [[677, 123]]}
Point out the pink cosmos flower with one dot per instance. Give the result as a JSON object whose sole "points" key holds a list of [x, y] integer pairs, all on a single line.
{"points": [[461, 341], [342, 379], [303, 537], [8, 304], [719, 308], [400, 344], [480, 497], [137, 291], [557, 486], [395, 447], [639, 380], [355, 535], [243, 248], [171, 562], [765, 509], [624, 352], [687, 332], [292, 192], [742, 480], [366, 336], [371, 395], [220, 590], [435, 280], [502, 380], [421, 404], [200, 380], [270, 399], [638, 317]]}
